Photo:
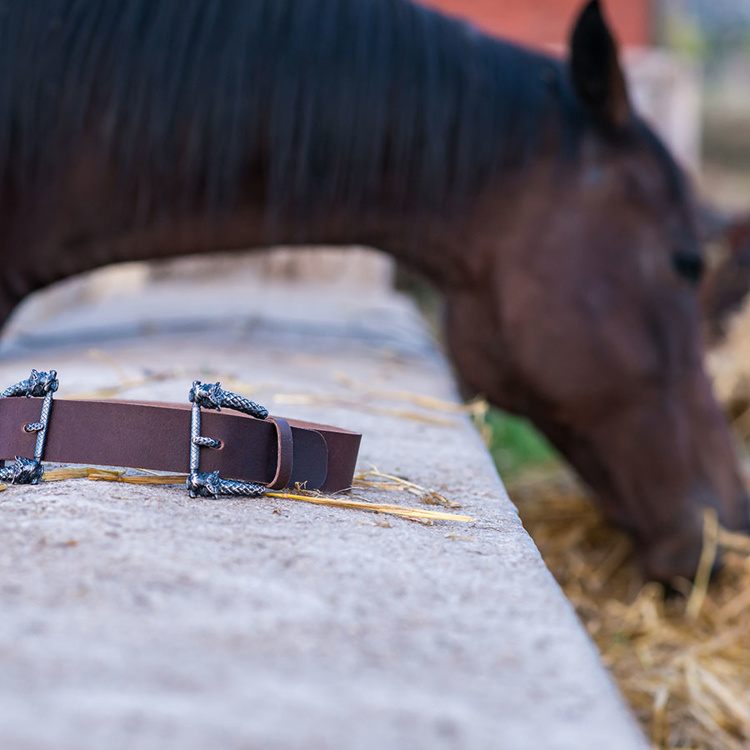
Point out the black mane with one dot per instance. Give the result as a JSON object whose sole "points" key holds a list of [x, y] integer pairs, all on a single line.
{"points": [[328, 102]]}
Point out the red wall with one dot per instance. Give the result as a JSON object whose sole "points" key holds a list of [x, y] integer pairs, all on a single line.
{"points": [[542, 22]]}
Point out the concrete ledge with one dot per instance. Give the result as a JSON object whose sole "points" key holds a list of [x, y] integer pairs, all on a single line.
{"points": [[137, 617]]}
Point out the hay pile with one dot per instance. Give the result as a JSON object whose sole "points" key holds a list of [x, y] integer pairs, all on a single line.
{"points": [[684, 669], [682, 662]]}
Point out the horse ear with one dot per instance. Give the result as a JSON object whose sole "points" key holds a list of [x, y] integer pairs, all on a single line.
{"points": [[598, 79]]}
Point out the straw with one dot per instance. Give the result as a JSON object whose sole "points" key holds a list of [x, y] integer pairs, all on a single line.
{"points": [[373, 479], [706, 563], [683, 665], [414, 514]]}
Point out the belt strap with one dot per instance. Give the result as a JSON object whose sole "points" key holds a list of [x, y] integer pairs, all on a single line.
{"points": [[275, 452]]}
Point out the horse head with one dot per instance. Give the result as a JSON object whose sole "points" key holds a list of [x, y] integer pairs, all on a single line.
{"points": [[587, 321]]}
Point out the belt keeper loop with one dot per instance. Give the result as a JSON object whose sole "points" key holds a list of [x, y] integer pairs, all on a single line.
{"points": [[285, 454]]}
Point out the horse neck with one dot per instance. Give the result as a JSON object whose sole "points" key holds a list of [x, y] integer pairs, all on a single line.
{"points": [[89, 226], [442, 249]]}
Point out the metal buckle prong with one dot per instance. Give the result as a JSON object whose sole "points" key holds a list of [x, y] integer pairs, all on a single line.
{"points": [[213, 396], [38, 385]]}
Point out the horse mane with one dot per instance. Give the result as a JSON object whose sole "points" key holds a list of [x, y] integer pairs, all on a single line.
{"points": [[329, 102]]}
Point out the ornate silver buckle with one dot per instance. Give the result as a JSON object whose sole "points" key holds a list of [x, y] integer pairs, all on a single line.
{"points": [[213, 396], [38, 385]]}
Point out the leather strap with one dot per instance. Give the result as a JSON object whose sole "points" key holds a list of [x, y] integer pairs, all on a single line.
{"points": [[275, 452]]}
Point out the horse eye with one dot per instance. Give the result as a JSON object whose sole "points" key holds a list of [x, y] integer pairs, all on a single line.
{"points": [[688, 265]]}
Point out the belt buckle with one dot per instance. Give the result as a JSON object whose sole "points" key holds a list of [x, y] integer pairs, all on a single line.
{"points": [[213, 396], [38, 385]]}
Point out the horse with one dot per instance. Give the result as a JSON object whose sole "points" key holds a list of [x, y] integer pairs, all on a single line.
{"points": [[556, 224]]}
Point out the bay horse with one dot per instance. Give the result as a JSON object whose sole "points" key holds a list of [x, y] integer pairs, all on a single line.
{"points": [[556, 224]]}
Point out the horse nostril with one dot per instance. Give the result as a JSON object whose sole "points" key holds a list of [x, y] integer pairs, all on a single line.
{"points": [[689, 265]]}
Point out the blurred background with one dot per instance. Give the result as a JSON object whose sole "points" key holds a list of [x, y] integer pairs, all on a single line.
{"points": [[688, 63]]}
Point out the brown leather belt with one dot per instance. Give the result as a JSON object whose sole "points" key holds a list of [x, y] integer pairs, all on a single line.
{"points": [[272, 452]]}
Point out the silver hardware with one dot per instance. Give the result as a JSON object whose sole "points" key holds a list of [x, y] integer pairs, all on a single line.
{"points": [[38, 385], [213, 396], [22, 471]]}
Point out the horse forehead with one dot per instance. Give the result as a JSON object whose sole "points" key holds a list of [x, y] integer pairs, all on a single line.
{"points": [[639, 155]]}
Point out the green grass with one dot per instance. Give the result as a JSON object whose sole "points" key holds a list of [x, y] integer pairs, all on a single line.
{"points": [[516, 445]]}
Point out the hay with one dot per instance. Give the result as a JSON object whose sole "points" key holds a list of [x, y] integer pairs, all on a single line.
{"points": [[683, 664], [422, 515], [375, 479], [79, 472], [413, 514], [705, 564]]}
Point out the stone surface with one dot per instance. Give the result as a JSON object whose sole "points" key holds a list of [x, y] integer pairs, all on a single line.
{"points": [[134, 616], [331, 266]]}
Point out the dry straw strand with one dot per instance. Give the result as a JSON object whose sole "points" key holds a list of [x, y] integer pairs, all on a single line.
{"points": [[373, 479], [706, 563], [415, 514]]}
